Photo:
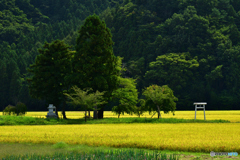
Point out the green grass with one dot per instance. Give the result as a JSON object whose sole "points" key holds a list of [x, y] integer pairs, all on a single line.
{"points": [[99, 155], [64, 151], [24, 120], [16, 151]]}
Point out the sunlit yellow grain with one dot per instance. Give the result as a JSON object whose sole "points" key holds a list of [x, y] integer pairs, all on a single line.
{"points": [[197, 137]]}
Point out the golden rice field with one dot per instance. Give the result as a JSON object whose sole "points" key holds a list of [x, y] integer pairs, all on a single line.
{"points": [[195, 137], [232, 116]]}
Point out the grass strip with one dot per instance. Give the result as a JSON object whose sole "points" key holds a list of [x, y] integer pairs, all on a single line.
{"points": [[99, 155], [18, 151], [25, 120]]}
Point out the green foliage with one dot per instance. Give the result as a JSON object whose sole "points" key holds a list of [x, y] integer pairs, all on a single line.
{"points": [[172, 69], [25, 26], [7, 120], [139, 110], [94, 64], [101, 155], [16, 19], [160, 99], [126, 96], [208, 30], [85, 98], [9, 110], [20, 109], [195, 29], [51, 67]]}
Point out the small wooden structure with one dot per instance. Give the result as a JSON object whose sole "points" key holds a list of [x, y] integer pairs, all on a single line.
{"points": [[200, 105]]}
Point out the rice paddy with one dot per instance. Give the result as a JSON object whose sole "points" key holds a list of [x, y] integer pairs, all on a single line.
{"points": [[181, 137], [188, 137]]}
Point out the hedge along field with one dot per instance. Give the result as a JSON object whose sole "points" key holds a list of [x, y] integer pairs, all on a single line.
{"points": [[196, 137], [232, 116]]}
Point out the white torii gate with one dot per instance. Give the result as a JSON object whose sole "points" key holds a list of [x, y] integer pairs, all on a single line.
{"points": [[201, 106]]}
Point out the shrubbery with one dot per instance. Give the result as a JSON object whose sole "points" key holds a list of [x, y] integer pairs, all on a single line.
{"points": [[19, 109], [9, 110]]}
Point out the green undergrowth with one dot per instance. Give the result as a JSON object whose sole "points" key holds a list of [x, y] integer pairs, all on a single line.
{"points": [[61, 150], [98, 155], [24, 120]]}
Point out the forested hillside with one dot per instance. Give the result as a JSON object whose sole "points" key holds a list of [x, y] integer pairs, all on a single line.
{"points": [[191, 45], [25, 26]]}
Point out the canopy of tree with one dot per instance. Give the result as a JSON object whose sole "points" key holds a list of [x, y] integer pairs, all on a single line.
{"points": [[191, 46], [159, 99], [50, 70]]}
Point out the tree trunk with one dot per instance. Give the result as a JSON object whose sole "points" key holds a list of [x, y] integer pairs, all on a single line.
{"points": [[95, 113], [56, 112], [85, 113], [153, 114], [100, 113], [159, 114], [89, 114], [63, 110], [118, 115]]}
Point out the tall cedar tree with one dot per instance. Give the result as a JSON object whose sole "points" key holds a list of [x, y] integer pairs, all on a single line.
{"points": [[94, 64], [51, 67]]}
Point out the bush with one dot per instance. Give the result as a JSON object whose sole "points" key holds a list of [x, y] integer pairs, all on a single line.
{"points": [[20, 109], [9, 110]]}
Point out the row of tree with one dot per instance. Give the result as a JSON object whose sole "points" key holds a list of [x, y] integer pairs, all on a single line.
{"points": [[59, 73], [157, 99]]}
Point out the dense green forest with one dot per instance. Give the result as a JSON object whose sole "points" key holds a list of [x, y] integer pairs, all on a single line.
{"points": [[190, 45]]}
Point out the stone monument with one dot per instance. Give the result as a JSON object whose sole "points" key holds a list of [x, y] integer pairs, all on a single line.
{"points": [[51, 114]]}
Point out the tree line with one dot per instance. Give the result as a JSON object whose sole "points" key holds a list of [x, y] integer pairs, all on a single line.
{"points": [[191, 46]]}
